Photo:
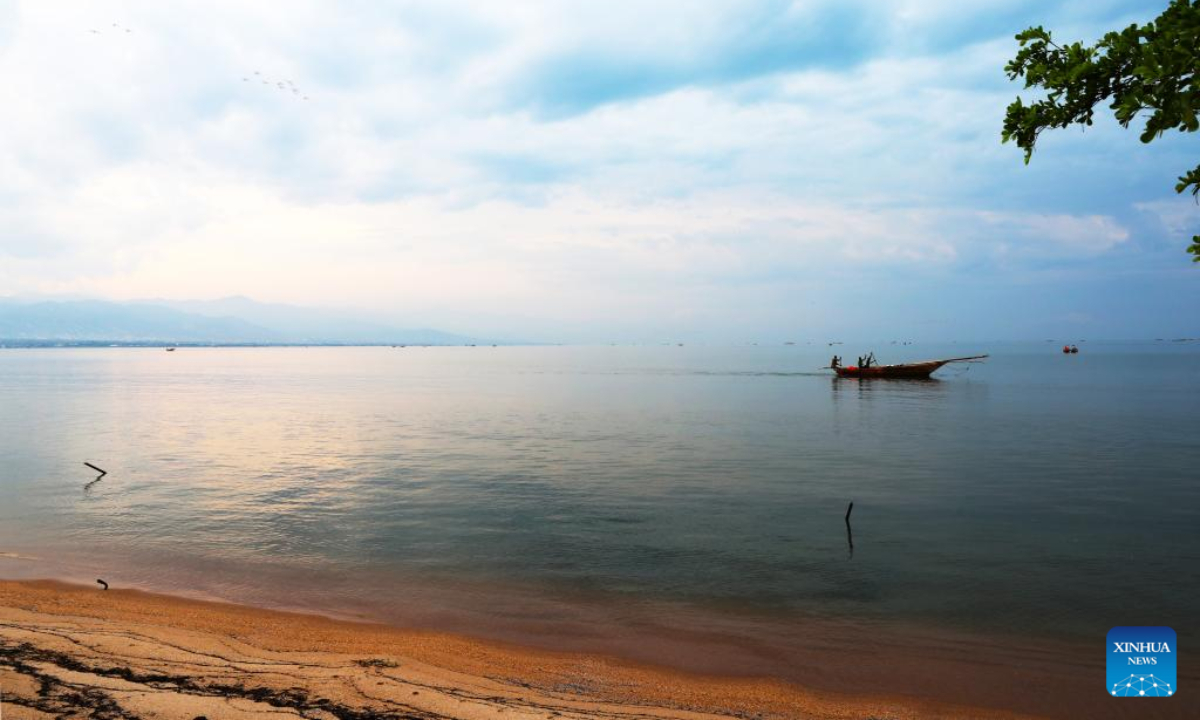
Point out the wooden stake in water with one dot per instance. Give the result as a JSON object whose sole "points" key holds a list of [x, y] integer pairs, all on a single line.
{"points": [[849, 532], [102, 472]]}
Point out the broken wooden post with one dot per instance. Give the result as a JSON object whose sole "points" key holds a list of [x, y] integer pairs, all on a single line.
{"points": [[849, 532], [102, 472]]}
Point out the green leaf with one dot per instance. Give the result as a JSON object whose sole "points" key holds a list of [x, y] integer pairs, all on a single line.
{"points": [[1148, 70]]}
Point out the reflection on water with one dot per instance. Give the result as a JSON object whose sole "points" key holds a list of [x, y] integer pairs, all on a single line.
{"points": [[887, 388], [530, 490]]}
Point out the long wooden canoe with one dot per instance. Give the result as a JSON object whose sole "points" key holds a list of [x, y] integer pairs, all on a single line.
{"points": [[915, 370]]}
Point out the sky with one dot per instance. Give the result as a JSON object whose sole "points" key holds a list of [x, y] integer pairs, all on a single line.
{"points": [[586, 171]]}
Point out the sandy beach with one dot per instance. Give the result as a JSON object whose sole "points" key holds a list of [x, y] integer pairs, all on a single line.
{"points": [[73, 651]]}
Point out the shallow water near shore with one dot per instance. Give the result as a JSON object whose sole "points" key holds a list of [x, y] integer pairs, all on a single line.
{"points": [[609, 494]]}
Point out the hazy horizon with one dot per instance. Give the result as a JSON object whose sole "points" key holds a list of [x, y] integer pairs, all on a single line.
{"points": [[196, 307], [586, 172]]}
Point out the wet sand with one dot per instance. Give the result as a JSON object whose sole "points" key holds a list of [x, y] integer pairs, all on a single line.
{"points": [[75, 651], [126, 653]]}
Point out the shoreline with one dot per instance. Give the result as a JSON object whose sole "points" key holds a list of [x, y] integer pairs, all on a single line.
{"points": [[155, 655], [818, 652], [144, 651]]}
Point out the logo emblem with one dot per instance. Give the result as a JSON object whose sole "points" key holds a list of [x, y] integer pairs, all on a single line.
{"points": [[1141, 662]]}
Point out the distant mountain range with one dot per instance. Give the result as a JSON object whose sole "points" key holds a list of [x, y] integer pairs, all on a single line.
{"points": [[230, 321]]}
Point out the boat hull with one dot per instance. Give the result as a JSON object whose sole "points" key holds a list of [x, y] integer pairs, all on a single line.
{"points": [[908, 371]]}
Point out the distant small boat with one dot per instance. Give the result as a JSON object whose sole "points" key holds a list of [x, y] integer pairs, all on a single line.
{"points": [[170, 349], [908, 371]]}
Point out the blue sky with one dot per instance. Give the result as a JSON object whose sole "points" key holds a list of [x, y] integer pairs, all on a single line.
{"points": [[585, 171]]}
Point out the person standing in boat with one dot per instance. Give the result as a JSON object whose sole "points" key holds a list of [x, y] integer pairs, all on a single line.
{"points": [[835, 363]]}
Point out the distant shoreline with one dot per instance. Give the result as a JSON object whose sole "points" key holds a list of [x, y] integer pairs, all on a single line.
{"points": [[18, 344], [51, 344]]}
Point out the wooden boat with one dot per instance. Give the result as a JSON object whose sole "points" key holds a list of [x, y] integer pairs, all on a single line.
{"points": [[907, 371]]}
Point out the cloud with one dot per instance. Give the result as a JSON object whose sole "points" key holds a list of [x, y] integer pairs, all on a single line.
{"points": [[1071, 234], [1178, 216], [668, 46], [547, 160]]}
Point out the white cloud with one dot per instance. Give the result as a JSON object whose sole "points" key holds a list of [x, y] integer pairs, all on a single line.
{"points": [[415, 179], [1049, 234], [1179, 215]]}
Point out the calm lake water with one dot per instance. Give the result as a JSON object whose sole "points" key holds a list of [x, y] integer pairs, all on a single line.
{"points": [[582, 493]]}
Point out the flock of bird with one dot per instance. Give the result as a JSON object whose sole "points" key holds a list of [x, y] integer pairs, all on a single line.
{"points": [[284, 85], [117, 28]]}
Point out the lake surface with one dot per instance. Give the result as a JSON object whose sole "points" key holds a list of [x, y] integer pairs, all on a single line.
{"points": [[595, 496]]}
